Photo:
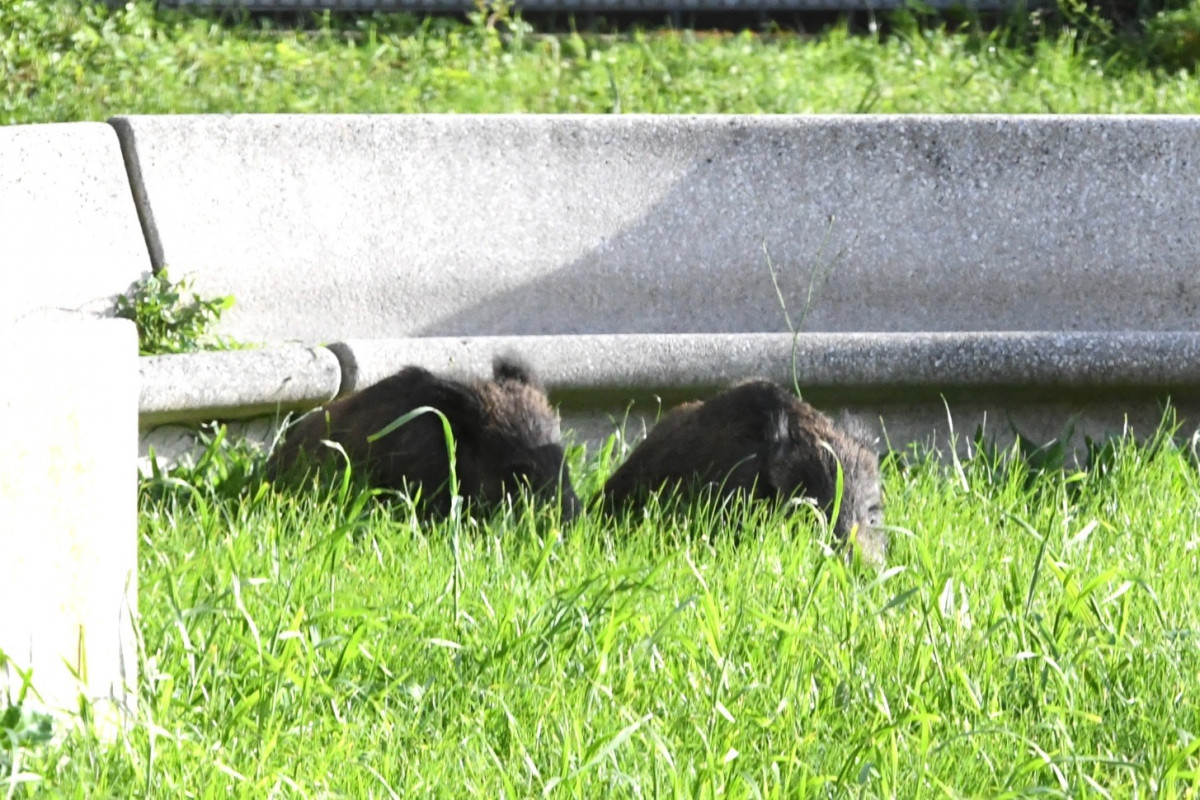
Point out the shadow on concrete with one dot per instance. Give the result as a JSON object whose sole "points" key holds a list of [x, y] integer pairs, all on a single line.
{"points": [[899, 224]]}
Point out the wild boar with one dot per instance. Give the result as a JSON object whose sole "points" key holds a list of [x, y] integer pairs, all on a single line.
{"points": [[759, 439], [506, 437]]}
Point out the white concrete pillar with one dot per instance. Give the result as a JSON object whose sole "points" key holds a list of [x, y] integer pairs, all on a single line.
{"points": [[68, 513]]}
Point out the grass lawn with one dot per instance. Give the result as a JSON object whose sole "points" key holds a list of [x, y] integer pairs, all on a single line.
{"points": [[60, 62], [1034, 633]]}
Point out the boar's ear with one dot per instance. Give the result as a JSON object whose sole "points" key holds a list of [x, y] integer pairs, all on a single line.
{"points": [[511, 368], [809, 470], [804, 464]]}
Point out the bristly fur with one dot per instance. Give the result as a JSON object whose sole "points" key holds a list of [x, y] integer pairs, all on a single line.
{"points": [[756, 438], [855, 428], [521, 410], [506, 436]]}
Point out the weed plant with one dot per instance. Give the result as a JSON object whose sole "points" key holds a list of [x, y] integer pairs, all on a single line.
{"points": [[170, 318], [1037, 631]]}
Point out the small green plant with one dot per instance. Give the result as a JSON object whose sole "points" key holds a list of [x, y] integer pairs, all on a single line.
{"points": [[170, 318], [20, 726], [221, 468], [498, 15], [816, 279]]}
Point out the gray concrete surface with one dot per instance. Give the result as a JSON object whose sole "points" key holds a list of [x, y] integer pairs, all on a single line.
{"points": [[234, 384], [927, 388], [69, 234], [68, 516], [882, 365], [331, 227]]}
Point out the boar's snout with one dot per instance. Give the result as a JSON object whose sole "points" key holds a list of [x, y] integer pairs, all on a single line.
{"points": [[805, 458]]}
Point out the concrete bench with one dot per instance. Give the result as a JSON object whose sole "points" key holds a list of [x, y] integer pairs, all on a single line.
{"points": [[400, 235], [68, 515], [327, 227]]}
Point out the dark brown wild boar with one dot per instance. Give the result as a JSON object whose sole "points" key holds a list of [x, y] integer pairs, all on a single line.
{"points": [[506, 434], [759, 439]]}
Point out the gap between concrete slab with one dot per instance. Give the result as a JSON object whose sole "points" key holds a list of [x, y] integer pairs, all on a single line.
{"points": [[145, 210]]}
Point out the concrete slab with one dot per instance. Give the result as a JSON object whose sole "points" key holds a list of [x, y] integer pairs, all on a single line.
{"points": [[884, 366], [70, 240], [68, 513], [908, 388], [234, 384], [330, 227]]}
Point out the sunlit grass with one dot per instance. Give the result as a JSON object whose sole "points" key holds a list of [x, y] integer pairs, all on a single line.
{"points": [[1033, 632], [1036, 630], [60, 61]]}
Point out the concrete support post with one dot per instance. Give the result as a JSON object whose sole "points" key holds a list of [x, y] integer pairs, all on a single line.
{"points": [[68, 514]]}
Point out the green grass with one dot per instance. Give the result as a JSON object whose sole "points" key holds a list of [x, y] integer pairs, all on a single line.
{"points": [[1034, 633], [60, 61]]}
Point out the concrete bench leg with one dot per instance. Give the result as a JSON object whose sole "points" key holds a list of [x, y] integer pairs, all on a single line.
{"points": [[68, 514]]}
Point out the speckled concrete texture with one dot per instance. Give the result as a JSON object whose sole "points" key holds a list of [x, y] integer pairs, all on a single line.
{"points": [[69, 234], [874, 364], [235, 384], [930, 388], [330, 227], [68, 515]]}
